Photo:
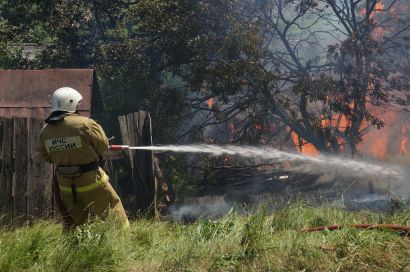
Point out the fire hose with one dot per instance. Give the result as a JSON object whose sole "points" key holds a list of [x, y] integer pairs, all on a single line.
{"points": [[403, 230], [123, 147]]}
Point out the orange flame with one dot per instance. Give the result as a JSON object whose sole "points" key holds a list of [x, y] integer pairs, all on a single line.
{"points": [[379, 7], [258, 126], [378, 143], [303, 146], [211, 103], [338, 121], [403, 141]]}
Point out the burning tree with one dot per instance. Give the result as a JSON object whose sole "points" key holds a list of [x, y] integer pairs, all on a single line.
{"points": [[322, 70]]}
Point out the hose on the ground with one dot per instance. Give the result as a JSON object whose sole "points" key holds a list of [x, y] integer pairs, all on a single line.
{"points": [[403, 230]]}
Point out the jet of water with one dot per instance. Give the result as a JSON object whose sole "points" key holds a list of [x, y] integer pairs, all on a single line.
{"points": [[350, 167]]}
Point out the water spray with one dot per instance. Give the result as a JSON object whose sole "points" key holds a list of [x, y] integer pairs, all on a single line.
{"points": [[353, 167]]}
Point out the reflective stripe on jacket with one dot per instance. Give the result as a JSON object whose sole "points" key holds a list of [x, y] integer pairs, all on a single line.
{"points": [[81, 189]]}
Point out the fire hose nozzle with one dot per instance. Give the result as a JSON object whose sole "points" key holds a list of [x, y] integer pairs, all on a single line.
{"points": [[118, 147]]}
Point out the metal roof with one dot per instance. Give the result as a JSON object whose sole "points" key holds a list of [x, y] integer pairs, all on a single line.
{"points": [[26, 93]]}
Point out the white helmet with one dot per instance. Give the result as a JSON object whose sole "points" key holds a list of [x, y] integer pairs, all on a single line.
{"points": [[65, 99]]}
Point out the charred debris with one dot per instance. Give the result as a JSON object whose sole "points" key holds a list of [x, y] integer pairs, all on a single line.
{"points": [[275, 186]]}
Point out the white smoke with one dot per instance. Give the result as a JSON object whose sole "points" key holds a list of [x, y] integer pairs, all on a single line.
{"points": [[206, 207]]}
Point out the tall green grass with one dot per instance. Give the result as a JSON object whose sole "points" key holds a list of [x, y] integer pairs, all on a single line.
{"points": [[258, 242]]}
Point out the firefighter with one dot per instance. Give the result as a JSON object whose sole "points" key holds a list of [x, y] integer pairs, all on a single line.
{"points": [[73, 143]]}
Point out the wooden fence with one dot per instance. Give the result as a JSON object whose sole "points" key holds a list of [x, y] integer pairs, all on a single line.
{"points": [[136, 182], [26, 180]]}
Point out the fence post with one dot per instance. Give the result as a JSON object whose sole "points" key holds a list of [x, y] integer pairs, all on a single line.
{"points": [[39, 199], [135, 131], [20, 168], [7, 169], [151, 179]]}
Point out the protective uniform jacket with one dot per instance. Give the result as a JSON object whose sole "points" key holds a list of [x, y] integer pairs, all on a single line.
{"points": [[72, 141], [77, 141]]}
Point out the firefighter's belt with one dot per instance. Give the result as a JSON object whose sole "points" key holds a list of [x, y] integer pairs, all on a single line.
{"points": [[86, 188], [76, 170]]}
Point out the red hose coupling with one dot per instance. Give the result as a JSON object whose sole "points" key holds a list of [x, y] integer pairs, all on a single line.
{"points": [[118, 147]]}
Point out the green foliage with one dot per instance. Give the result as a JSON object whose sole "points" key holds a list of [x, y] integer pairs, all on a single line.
{"points": [[299, 215], [259, 242], [208, 230], [43, 248], [176, 171], [77, 251], [149, 55], [253, 232], [21, 22], [25, 248]]}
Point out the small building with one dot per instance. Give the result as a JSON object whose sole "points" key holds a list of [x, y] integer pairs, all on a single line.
{"points": [[27, 93]]}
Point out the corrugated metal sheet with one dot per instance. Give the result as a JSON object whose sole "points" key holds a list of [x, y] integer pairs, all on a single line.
{"points": [[25, 93]]}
